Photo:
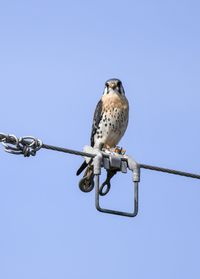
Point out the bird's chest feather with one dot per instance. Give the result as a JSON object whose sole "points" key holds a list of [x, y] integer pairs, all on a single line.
{"points": [[115, 110], [114, 119], [111, 101]]}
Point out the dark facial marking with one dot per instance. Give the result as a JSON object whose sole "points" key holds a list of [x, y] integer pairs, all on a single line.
{"points": [[119, 83]]}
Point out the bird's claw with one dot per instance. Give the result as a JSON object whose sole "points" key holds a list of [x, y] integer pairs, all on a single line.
{"points": [[119, 150]]}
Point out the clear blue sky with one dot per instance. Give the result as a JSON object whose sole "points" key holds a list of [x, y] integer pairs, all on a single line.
{"points": [[54, 59]]}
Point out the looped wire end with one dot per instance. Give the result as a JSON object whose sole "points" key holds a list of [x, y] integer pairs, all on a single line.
{"points": [[28, 146]]}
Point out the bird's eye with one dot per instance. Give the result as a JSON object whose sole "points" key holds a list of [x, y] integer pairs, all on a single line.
{"points": [[107, 84]]}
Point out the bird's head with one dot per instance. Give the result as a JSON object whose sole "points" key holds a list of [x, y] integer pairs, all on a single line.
{"points": [[113, 86]]}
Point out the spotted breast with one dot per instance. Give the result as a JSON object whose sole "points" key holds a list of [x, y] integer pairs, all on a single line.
{"points": [[114, 121]]}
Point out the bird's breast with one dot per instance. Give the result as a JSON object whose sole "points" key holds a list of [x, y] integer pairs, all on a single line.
{"points": [[114, 101], [114, 120]]}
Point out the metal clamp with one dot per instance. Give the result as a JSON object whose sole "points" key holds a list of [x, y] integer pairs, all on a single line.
{"points": [[114, 164]]}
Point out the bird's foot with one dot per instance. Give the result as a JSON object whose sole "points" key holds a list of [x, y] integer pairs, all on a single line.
{"points": [[119, 150], [116, 150], [107, 149]]}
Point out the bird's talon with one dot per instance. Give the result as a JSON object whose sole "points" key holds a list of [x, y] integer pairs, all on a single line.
{"points": [[119, 150]]}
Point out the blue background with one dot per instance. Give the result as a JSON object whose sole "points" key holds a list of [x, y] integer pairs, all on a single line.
{"points": [[54, 59]]}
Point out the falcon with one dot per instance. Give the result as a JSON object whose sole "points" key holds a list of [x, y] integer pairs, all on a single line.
{"points": [[109, 125]]}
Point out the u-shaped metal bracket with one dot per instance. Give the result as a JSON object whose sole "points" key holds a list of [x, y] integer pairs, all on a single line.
{"points": [[134, 167], [116, 212]]}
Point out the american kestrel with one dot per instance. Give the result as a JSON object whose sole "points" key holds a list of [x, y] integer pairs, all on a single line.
{"points": [[109, 123]]}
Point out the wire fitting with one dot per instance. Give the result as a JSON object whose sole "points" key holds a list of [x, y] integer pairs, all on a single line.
{"points": [[135, 168], [112, 162], [97, 161], [28, 145]]}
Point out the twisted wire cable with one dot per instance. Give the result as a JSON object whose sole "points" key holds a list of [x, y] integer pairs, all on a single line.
{"points": [[30, 145]]}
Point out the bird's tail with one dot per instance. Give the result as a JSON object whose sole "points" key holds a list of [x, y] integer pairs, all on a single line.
{"points": [[82, 167]]}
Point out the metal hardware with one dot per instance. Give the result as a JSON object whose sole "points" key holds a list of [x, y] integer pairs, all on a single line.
{"points": [[28, 146], [120, 163], [82, 184], [116, 212]]}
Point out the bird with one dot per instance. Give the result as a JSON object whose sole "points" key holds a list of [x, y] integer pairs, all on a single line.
{"points": [[110, 122]]}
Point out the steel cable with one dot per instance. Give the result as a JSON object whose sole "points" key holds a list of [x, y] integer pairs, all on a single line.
{"points": [[29, 146]]}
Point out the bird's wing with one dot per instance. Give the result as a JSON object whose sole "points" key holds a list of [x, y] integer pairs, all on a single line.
{"points": [[96, 120]]}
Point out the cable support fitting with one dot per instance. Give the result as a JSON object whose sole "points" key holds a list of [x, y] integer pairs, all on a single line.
{"points": [[28, 145]]}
